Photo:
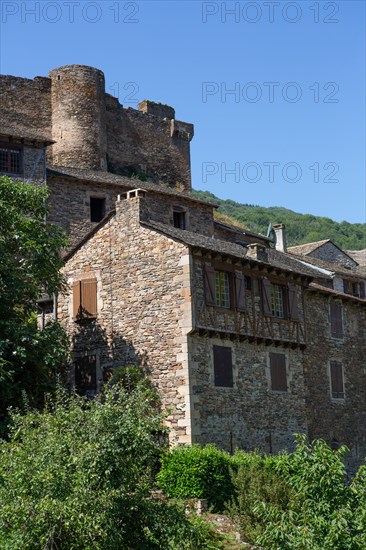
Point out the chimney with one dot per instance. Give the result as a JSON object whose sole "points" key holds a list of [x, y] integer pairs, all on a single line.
{"points": [[257, 252], [280, 237], [132, 205]]}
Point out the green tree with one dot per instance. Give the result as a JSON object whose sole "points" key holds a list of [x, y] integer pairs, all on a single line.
{"points": [[30, 264], [79, 476]]}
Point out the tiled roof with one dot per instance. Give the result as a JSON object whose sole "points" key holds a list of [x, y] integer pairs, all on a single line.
{"points": [[241, 231], [276, 259], [358, 271], [100, 176], [304, 249], [29, 135], [358, 255], [343, 295]]}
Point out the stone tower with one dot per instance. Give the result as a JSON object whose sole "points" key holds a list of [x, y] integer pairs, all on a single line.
{"points": [[78, 117]]}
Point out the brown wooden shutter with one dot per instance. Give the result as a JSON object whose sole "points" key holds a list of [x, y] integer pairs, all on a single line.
{"points": [[86, 374], [89, 297], [336, 376], [292, 302], [239, 291], [362, 290], [223, 366], [266, 297], [209, 283], [76, 300], [336, 325], [278, 371]]}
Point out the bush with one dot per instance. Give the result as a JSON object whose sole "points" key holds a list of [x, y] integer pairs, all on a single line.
{"points": [[255, 480], [197, 472], [300, 500], [79, 476]]}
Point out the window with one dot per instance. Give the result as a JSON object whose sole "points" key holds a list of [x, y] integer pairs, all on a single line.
{"points": [[280, 301], [84, 299], [277, 301], [336, 323], [10, 160], [179, 219], [86, 375], [224, 289], [336, 380], [223, 366], [248, 282], [97, 209], [277, 362]]}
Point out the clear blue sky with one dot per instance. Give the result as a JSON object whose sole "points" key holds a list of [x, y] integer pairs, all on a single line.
{"points": [[307, 155]]}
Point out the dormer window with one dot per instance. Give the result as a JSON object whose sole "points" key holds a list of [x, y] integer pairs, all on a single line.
{"points": [[179, 218], [10, 159]]}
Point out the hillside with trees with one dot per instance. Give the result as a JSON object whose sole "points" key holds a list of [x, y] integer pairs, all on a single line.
{"points": [[300, 228]]}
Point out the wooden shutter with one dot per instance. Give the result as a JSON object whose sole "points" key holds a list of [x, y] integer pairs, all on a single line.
{"points": [[239, 291], [293, 312], [89, 297], [336, 377], [336, 325], [223, 366], [86, 374], [76, 300], [266, 297], [278, 371], [209, 284], [362, 290]]}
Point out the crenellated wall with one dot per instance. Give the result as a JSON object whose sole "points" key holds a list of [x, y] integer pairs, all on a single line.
{"points": [[92, 130]]}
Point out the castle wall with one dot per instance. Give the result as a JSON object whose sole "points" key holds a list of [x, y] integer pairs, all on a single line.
{"points": [[143, 142], [78, 117], [144, 310], [90, 128], [25, 106], [338, 421]]}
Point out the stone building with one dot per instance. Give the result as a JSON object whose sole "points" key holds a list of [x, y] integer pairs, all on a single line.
{"points": [[248, 342]]}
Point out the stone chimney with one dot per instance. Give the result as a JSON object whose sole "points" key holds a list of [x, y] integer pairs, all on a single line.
{"points": [[280, 237], [257, 252], [132, 207]]}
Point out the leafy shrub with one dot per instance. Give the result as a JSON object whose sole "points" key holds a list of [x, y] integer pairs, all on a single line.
{"points": [[79, 476], [255, 480], [300, 500], [197, 472]]}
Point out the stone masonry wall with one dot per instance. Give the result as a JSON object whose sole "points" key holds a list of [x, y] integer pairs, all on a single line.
{"points": [[26, 106], [70, 207], [250, 415], [330, 253], [338, 421], [92, 130], [144, 310]]}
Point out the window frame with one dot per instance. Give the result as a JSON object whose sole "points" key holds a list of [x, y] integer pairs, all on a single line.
{"points": [[274, 378], [218, 353], [103, 210], [79, 297], [341, 396], [181, 213], [12, 148]]}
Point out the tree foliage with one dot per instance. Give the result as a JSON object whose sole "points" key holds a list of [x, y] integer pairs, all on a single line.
{"points": [[300, 228], [30, 264], [79, 476], [301, 499]]}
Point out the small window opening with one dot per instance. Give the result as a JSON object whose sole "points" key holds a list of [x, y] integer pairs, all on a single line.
{"points": [[10, 160], [179, 220], [97, 209]]}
